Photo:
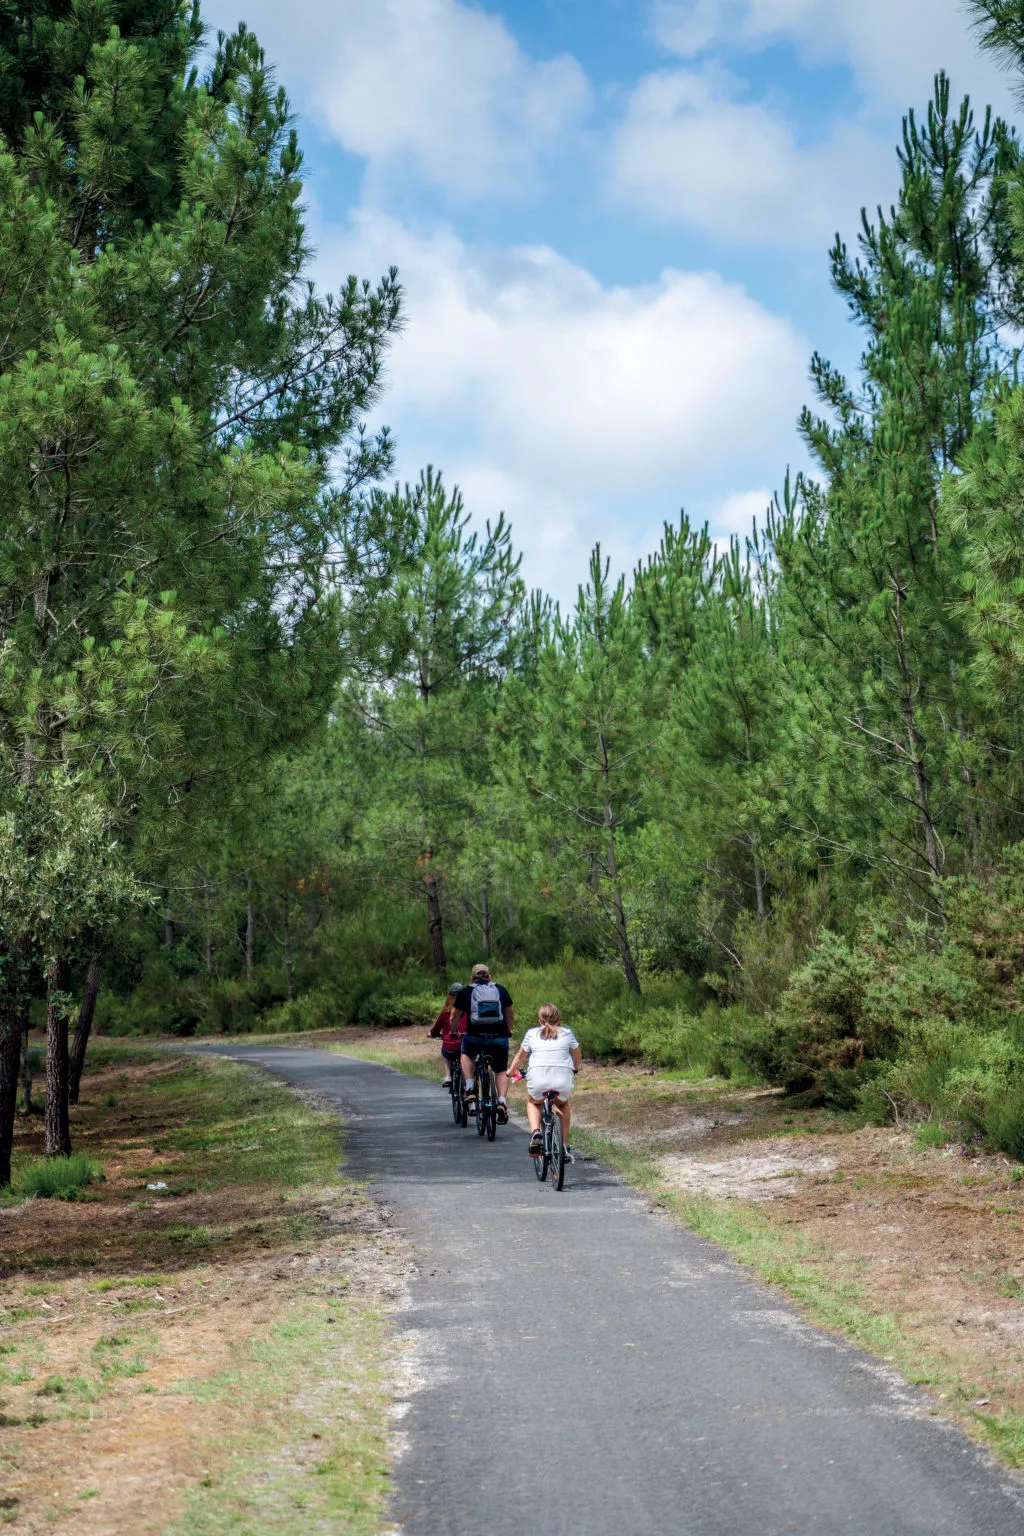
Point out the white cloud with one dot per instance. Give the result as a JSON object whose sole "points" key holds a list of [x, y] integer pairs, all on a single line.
{"points": [[577, 407], [736, 514], [435, 85], [690, 148], [893, 47]]}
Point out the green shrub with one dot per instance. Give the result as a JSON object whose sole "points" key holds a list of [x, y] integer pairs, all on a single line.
{"points": [[58, 1178], [823, 1028], [313, 1010], [698, 1044], [236, 1005]]}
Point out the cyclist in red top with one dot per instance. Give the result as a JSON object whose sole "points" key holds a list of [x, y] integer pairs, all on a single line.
{"points": [[449, 1026]]}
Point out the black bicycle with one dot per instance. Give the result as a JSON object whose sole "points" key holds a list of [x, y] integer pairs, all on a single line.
{"points": [[554, 1156], [485, 1102], [457, 1089]]}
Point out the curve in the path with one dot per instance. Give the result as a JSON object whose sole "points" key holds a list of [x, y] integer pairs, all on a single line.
{"points": [[583, 1368]]}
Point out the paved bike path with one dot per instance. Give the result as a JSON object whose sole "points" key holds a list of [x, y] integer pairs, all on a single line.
{"points": [[580, 1367]]}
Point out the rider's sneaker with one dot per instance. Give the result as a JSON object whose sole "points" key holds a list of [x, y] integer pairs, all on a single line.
{"points": [[568, 1155], [537, 1144], [503, 1114], [446, 1082]]}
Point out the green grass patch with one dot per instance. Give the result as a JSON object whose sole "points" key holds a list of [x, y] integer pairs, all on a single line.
{"points": [[58, 1178], [316, 1382], [115, 1284], [237, 1126]]}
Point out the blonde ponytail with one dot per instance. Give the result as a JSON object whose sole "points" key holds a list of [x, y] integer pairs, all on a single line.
{"points": [[549, 1018]]}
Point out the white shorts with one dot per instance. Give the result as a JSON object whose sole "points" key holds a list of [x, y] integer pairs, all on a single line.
{"points": [[542, 1080]]}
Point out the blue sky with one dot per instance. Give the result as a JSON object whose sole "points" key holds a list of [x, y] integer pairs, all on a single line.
{"points": [[612, 218]]}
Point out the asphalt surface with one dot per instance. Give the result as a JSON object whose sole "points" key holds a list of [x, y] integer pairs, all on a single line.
{"points": [[577, 1366]]}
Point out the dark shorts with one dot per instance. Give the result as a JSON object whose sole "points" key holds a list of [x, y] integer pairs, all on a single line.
{"points": [[450, 1053], [496, 1047]]}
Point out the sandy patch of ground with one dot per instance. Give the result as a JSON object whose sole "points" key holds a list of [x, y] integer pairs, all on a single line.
{"points": [[767, 1177]]}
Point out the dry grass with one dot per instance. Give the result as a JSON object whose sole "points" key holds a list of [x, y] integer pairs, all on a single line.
{"points": [[138, 1325]]}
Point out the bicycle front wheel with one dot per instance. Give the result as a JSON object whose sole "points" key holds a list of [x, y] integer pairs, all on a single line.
{"points": [[557, 1152]]}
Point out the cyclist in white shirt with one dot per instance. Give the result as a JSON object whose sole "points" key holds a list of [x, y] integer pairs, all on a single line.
{"points": [[553, 1057]]}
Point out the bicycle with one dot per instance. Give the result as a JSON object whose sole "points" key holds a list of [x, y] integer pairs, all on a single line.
{"points": [[486, 1099], [554, 1156], [456, 1087]]}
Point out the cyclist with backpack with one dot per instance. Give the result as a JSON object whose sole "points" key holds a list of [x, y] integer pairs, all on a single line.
{"points": [[484, 1010]]}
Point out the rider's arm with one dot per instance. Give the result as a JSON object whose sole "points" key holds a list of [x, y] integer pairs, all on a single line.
{"points": [[520, 1058], [577, 1058], [510, 1018]]}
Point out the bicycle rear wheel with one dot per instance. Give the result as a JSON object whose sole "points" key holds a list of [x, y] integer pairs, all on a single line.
{"points": [[557, 1152], [456, 1091], [492, 1114], [484, 1093], [540, 1164]]}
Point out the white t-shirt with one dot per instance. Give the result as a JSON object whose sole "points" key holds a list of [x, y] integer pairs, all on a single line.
{"points": [[550, 1053]]}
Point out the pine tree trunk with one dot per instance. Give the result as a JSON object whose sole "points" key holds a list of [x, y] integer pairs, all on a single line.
{"points": [[250, 930], [759, 885], [435, 924], [485, 923], [931, 846], [621, 930], [629, 969], [208, 906], [10, 1054], [83, 1029], [288, 949], [57, 1125], [26, 1066], [13, 1024]]}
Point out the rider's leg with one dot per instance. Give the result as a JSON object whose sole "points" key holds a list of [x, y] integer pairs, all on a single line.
{"points": [[564, 1114], [501, 1079], [468, 1069], [533, 1114], [447, 1068]]}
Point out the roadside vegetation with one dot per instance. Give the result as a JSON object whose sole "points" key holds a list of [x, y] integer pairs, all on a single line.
{"points": [[196, 1343]]}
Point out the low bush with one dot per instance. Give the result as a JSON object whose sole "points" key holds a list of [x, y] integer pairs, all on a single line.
{"points": [[58, 1178], [697, 1044], [909, 1022], [823, 1027]]}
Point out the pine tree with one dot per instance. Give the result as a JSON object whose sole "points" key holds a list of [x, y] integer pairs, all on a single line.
{"points": [[871, 567], [584, 736], [170, 407], [443, 639]]}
